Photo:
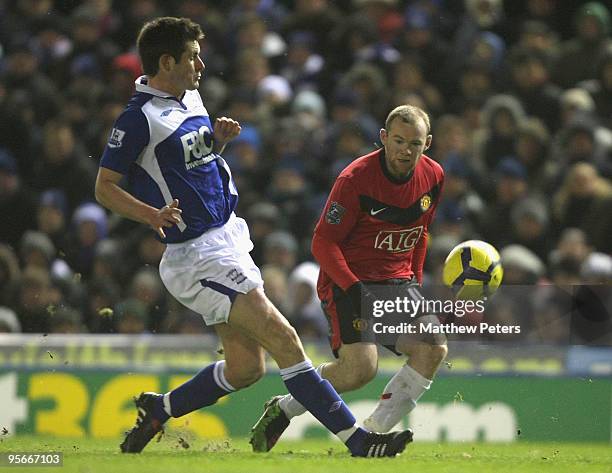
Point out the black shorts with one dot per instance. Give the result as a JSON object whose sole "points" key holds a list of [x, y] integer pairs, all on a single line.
{"points": [[346, 326]]}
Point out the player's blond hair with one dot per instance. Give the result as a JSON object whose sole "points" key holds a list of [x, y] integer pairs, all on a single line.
{"points": [[408, 114]]}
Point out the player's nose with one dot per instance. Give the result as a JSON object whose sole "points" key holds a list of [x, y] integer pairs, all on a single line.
{"points": [[200, 66]]}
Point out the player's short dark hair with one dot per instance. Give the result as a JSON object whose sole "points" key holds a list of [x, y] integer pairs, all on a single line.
{"points": [[408, 114], [165, 35]]}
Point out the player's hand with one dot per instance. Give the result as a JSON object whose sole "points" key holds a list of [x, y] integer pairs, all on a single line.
{"points": [[167, 216], [225, 130]]}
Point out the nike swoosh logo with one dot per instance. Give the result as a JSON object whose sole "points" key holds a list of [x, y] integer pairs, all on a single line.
{"points": [[374, 212]]}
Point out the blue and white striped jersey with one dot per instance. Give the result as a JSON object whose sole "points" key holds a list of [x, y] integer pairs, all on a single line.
{"points": [[164, 146]]}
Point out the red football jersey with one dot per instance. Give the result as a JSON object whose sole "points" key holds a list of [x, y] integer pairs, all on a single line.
{"points": [[373, 227]]}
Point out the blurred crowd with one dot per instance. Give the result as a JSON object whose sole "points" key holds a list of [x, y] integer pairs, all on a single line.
{"points": [[519, 92]]}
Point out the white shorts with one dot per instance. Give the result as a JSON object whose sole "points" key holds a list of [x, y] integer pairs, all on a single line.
{"points": [[207, 273]]}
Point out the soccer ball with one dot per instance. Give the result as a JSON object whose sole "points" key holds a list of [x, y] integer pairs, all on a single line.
{"points": [[473, 270]]}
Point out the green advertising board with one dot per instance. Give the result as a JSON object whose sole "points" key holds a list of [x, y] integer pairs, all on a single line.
{"points": [[78, 403]]}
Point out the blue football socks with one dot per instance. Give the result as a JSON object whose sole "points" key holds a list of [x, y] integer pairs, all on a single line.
{"points": [[321, 399], [202, 390]]}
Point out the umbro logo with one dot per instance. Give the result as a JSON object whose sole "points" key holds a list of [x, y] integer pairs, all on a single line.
{"points": [[375, 212], [335, 406], [165, 113]]}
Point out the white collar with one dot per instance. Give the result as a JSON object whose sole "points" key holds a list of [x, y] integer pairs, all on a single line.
{"points": [[141, 86]]}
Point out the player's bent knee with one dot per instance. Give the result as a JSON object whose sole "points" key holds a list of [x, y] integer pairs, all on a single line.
{"points": [[435, 354], [364, 376], [358, 372], [245, 379], [354, 380], [257, 371], [367, 369], [430, 345], [246, 374]]}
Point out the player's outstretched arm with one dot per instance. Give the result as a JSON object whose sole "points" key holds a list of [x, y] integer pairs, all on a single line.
{"points": [[112, 196]]}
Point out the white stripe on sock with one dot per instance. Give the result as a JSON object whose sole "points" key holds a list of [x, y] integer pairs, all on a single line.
{"points": [[344, 435], [293, 371], [290, 406], [219, 377], [167, 406], [297, 367]]}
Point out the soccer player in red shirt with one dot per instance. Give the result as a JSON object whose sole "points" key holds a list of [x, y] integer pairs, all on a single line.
{"points": [[373, 230]]}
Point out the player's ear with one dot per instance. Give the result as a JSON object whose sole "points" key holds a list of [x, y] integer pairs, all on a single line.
{"points": [[428, 141], [383, 136], [166, 62]]}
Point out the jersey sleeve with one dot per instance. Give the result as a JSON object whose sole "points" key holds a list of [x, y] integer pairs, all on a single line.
{"points": [[333, 263], [340, 213], [128, 138], [337, 220]]}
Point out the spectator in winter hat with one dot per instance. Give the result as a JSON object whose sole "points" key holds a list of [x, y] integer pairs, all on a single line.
{"points": [[597, 269], [521, 266], [52, 215], [530, 220], [581, 53], [66, 320], [510, 187], [131, 317], [281, 250], [533, 86], [89, 226]]}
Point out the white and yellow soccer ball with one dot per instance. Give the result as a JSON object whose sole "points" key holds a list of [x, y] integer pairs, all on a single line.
{"points": [[473, 270]]}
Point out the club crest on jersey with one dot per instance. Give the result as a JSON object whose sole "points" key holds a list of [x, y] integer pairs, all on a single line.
{"points": [[398, 241], [360, 325], [425, 202], [116, 138], [334, 213]]}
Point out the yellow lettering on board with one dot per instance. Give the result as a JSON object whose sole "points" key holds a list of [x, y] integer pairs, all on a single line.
{"points": [[71, 401], [113, 412]]}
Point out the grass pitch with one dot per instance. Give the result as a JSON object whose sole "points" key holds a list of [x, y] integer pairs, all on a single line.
{"points": [[177, 454]]}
